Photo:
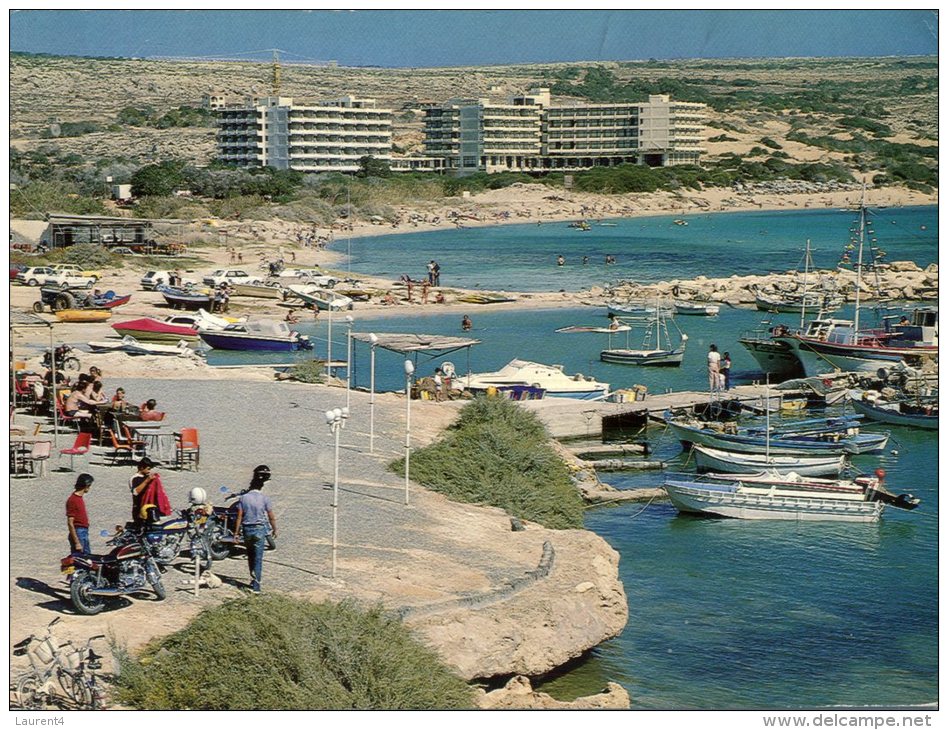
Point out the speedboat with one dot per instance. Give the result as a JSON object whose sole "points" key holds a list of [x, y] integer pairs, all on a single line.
{"points": [[257, 335], [319, 297], [186, 298], [149, 329], [793, 497], [549, 378]]}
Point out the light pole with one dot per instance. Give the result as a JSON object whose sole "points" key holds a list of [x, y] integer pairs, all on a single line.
{"points": [[409, 371], [348, 357], [329, 341], [373, 341], [336, 420]]}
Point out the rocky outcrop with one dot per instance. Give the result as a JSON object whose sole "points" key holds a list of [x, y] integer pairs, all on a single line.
{"points": [[576, 604], [518, 694]]}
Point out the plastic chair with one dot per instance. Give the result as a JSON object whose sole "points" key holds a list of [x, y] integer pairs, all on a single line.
{"points": [[137, 444], [81, 446], [119, 448], [39, 454], [187, 448]]}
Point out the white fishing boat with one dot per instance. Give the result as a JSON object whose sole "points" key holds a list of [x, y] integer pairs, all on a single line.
{"points": [[324, 299], [260, 291], [700, 309], [764, 497], [549, 378], [736, 462], [650, 354]]}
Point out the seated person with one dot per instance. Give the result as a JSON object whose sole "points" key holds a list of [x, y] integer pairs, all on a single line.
{"points": [[97, 394], [95, 374], [118, 400], [78, 404], [291, 317], [388, 298], [439, 298], [147, 411]]}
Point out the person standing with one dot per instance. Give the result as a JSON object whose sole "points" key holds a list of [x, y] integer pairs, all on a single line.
{"points": [[77, 519], [726, 370], [466, 323], [437, 274], [431, 276], [149, 501], [714, 368], [253, 512]]}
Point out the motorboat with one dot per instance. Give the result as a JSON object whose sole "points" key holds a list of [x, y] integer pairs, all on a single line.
{"points": [[149, 329], [914, 412], [549, 378], [256, 335], [700, 309], [320, 297], [110, 300], [192, 299], [485, 298], [793, 497], [813, 437], [261, 291], [776, 359], [797, 302], [736, 462]]}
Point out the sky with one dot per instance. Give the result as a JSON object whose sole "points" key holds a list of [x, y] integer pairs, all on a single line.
{"points": [[424, 38]]}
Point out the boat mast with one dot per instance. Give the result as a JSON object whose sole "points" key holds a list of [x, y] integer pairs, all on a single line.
{"points": [[658, 324], [806, 271], [862, 237]]}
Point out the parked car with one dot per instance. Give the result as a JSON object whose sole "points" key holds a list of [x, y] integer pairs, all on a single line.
{"points": [[35, 275], [70, 280], [76, 270], [15, 269], [153, 279], [231, 276], [123, 251], [306, 276]]}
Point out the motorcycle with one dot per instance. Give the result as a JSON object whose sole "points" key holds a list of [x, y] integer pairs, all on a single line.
{"points": [[127, 568], [64, 361], [167, 539], [220, 528]]}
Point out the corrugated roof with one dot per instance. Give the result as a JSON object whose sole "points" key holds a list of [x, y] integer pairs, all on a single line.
{"points": [[69, 218], [27, 319]]}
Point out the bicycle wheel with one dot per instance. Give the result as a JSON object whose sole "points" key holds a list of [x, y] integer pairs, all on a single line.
{"points": [[28, 695], [79, 691]]}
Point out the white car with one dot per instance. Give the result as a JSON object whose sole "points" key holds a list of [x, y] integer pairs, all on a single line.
{"points": [[231, 276], [307, 276], [76, 270], [70, 280], [35, 275], [153, 279]]}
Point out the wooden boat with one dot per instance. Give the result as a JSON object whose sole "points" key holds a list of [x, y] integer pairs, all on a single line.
{"points": [[813, 438], [485, 298], [257, 335], [261, 291], [735, 462], [701, 309], [321, 298], [549, 378], [187, 299], [776, 359], [111, 300], [912, 412], [83, 315], [765, 497], [356, 295], [796, 303], [648, 355], [149, 329]]}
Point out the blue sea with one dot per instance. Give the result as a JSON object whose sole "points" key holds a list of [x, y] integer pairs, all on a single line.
{"points": [[723, 614]]}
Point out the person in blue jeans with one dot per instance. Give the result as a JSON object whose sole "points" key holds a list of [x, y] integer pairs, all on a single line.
{"points": [[77, 520], [253, 512]]}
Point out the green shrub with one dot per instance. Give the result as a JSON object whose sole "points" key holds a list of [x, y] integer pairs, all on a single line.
{"points": [[36, 199], [496, 453], [88, 255], [309, 371], [773, 144], [277, 653]]}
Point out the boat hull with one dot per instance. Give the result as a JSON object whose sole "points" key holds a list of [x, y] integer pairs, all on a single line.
{"points": [[667, 358], [83, 315], [885, 415], [698, 310], [145, 330], [775, 358], [222, 341], [259, 291], [822, 357], [727, 502], [859, 444], [729, 462]]}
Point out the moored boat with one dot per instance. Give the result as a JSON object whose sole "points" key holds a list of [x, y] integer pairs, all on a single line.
{"points": [[256, 335], [550, 378], [736, 462], [701, 309], [261, 291], [649, 354], [912, 412]]}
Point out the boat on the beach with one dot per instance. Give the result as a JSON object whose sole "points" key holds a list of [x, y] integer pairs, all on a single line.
{"points": [[906, 411], [260, 291], [110, 300], [649, 354], [701, 309], [793, 497], [149, 329], [319, 297], [256, 335], [486, 298], [132, 346], [550, 378], [83, 315], [192, 299], [736, 462], [812, 437]]}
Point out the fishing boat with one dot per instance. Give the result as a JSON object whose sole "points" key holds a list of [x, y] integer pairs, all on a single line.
{"points": [[256, 335], [550, 378], [83, 315], [110, 300], [648, 355], [701, 309], [186, 299], [487, 298], [735, 462], [320, 298], [260, 291], [913, 412], [794, 497], [633, 307], [807, 438], [797, 302], [776, 359]]}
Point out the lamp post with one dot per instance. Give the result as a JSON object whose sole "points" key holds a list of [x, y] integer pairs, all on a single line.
{"points": [[373, 341], [409, 371], [329, 340], [336, 420], [348, 357]]}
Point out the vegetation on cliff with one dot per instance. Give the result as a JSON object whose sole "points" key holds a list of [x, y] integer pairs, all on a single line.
{"points": [[499, 454], [278, 653]]}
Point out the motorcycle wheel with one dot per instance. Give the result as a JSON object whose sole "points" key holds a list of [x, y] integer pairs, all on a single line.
{"points": [[271, 542], [85, 602], [71, 363], [215, 548], [159, 588], [202, 550], [28, 696]]}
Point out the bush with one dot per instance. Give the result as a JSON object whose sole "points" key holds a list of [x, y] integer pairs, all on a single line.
{"points": [[35, 199], [499, 454], [309, 371], [278, 653], [88, 255]]}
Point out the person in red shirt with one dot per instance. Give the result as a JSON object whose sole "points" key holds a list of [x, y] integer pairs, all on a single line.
{"points": [[147, 411], [77, 519]]}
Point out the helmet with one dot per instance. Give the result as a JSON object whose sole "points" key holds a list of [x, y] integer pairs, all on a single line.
{"points": [[197, 496], [262, 473], [84, 480]]}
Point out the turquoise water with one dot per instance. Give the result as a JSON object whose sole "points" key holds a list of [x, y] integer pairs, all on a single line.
{"points": [[723, 614], [523, 257]]}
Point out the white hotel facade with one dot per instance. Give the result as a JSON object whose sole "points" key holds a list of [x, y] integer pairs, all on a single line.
{"points": [[527, 133]]}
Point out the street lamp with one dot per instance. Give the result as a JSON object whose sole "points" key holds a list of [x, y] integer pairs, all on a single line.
{"points": [[348, 356], [329, 340], [373, 341], [336, 420], [409, 371]]}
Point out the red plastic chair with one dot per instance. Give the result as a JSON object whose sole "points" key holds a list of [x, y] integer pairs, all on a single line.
{"points": [[79, 448], [187, 448]]}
